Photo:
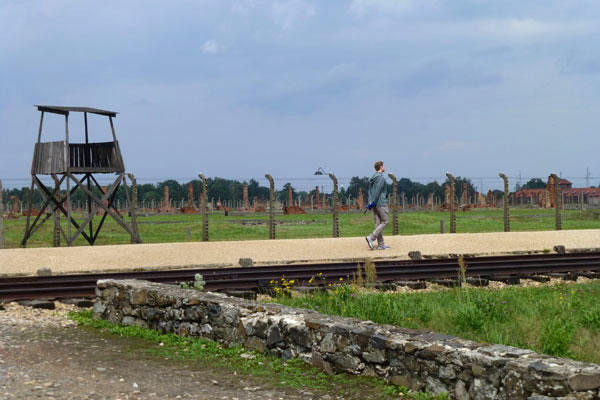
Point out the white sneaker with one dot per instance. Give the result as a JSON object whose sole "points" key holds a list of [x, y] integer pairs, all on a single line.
{"points": [[370, 242], [383, 246]]}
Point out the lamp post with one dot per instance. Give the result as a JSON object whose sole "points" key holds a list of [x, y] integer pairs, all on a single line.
{"points": [[321, 171]]}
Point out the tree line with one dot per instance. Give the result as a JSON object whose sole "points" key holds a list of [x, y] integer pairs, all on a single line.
{"points": [[232, 190]]}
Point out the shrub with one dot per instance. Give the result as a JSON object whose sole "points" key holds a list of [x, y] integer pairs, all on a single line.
{"points": [[468, 316]]}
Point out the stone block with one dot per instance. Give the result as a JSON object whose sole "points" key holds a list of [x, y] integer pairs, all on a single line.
{"points": [[460, 391], [274, 336], [327, 344], [138, 297], [435, 386], [584, 381], [482, 390], [477, 370], [347, 363], [377, 356], [256, 344], [319, 362]]}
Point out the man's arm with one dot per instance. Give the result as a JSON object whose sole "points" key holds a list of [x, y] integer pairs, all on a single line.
{"points": [[377, 188]]}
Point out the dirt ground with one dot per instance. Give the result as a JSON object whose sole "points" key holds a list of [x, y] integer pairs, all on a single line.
{"points": [[44, 355]]}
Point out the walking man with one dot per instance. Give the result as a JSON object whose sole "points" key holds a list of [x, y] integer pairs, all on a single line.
{"points": [[377, 201]]}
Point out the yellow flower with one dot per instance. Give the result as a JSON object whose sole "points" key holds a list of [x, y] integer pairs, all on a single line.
{"points": [[292, 281], [341, 279]]}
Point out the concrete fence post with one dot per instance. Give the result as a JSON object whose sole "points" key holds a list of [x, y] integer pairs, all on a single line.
{"points": [[133, 203], [204, 207], [557, 202], [394, 204], [271, 206], [452, 203], [506, 199], [1, 218], [334, 205]]}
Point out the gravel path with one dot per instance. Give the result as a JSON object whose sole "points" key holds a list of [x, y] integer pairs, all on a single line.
{"points": [[227, 254], [44, 355]]}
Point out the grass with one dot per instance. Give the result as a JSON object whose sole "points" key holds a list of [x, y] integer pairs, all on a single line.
{"points": [[293, 373], [173, 228], [561, 320]]}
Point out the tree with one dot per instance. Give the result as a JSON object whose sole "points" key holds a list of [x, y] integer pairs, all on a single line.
{"points": [[282, 195], [355, 184], [534, 183]]}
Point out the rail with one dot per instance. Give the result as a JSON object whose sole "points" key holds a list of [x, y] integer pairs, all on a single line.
{"points": [[256, 278]]}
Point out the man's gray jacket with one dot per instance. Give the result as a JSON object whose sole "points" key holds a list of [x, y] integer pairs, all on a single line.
{"points": [[377, 190]]}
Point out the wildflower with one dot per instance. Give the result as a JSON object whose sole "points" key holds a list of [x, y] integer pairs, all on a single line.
{"points": [[341, 279], [292, 281]]}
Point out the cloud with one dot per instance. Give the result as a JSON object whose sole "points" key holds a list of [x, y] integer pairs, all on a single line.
{"points": [[211, 47], [577, 62], [287, 14], [528, 27], [451, 146], [443, 74], [360, 8]]}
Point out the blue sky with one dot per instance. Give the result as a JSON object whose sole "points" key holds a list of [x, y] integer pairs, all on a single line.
{"points": [[240, 88]]}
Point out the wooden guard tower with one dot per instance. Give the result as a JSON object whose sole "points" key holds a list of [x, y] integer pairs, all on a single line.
{"points": [[65, 161]]}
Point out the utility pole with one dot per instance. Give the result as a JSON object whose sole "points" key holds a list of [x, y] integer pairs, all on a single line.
{"points": [[587, 177]]}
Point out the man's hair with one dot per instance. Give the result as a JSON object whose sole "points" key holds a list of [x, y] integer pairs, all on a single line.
{"points": [[378, 165]]}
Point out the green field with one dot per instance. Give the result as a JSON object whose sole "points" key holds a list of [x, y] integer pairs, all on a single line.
{"points": [[237, 226]]}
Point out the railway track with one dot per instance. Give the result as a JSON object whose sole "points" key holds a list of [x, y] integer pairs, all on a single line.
{"points": [[255, 278]]}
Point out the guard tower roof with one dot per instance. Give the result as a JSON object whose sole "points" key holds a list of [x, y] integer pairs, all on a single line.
{"points": [[64, 110]]}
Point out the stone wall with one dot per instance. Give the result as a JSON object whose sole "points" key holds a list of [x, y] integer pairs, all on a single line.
{"points": [[420, 360]]}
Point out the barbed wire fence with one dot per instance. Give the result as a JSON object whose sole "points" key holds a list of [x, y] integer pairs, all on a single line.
{"points": [[311, 197]]}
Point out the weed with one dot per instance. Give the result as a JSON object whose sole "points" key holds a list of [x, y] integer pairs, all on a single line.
{"points": [[283, 287], [462, 270], [590, 317], [197, 284], [468, 317], [556, 337], [370, 271]]}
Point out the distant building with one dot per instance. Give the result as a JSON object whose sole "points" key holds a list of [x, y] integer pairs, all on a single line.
{"points": [[545, 197]]}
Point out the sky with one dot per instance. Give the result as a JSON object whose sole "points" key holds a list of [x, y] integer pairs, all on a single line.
{"points": [[237, 89]]}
